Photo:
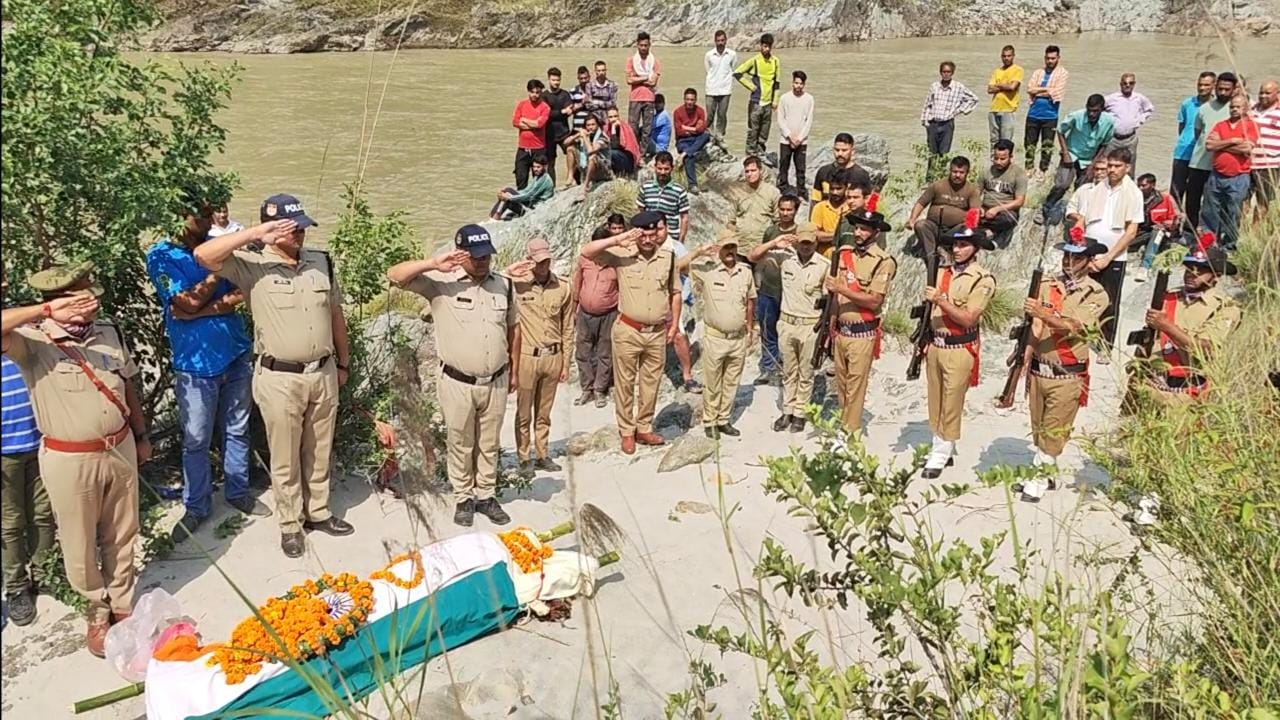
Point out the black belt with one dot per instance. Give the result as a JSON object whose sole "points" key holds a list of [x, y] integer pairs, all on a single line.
{"points": [[1041, 367], [1118, 136], [462, 377], [857, 328], [1189, 382], [553, 349], [288, 366], [951, 340], [939, 122]]}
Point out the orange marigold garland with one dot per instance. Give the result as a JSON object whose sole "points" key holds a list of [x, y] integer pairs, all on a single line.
{"points": [[308, 620], [527, 552], [386, 574]]}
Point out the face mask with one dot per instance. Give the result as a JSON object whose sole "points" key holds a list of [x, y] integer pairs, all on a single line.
{"points": [[79, 331]]}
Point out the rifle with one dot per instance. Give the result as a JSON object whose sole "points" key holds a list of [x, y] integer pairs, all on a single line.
{"points": [[823, 347], [1144, 338], [922, 336], [1021, 335]]}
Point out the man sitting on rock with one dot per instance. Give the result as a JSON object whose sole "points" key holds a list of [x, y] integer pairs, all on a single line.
{"points": [[514, 203], [1004, 191], [944, 204], [691, 135], [618, 152]]}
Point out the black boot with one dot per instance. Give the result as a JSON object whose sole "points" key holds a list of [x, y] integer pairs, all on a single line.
{"points": [[782, 423]]}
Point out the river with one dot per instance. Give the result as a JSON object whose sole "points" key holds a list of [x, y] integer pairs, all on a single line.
{"points": [[442, 142]]}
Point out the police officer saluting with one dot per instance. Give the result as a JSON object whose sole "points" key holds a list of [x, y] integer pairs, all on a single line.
{"points": [[803, 273], [648, 320], [546, 334], [478, 340], [727, 290], [81, 377], [1065, 312], [864, 273], [951, 365], [301, 342]]}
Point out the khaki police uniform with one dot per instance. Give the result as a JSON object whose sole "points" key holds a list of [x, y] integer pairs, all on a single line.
{"points": [[471, 325], [858, 332], [645, 287], [1209, 316], [87, 458], [1058, 383], [951, 362], [295, 382], [797, 336], [546, 334], [723, 295]]}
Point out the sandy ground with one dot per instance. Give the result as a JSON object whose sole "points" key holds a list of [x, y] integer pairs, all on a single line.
{"points": [[677, 571]]}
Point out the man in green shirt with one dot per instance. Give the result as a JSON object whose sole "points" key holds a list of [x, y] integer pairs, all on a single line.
{"points": [[760, 76], [1201, 165], [514, 203]]}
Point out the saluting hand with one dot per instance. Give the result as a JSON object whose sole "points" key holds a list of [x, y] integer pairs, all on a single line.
{"points": [[274, 230], [784, 242], [73, 308], [628, 238], [451, 260], [521, 268]]}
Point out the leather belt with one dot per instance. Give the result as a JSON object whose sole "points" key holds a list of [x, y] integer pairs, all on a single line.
{"points": [[1180, 384], [724, 335], [854, 330], [553, 349], [1118, 136], [641, 327], [1053, 370], [88, 446], [462, 377], [796, 319], [950, 341], [289, 366]]}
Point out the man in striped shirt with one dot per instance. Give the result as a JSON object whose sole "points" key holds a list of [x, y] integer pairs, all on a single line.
{"points": [[28, 526], [1266, 153], [662, 195]]}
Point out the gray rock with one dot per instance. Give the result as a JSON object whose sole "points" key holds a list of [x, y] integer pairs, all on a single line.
{"points": [[692, 507], [605, 438], [687, 450], [677, 415], [870, 151]]}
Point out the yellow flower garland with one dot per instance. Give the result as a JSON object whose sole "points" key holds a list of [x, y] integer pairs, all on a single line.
{"points": [[301, 620], [418, 571], [527, 553]]}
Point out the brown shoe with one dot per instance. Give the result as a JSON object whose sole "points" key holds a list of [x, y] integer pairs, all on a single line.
{"points": [[628, 445], [650, 438], [119, 617], [96, 639]]}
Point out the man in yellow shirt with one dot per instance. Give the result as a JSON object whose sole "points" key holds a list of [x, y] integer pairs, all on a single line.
{"points": [[1003, 88], [845, 197]]}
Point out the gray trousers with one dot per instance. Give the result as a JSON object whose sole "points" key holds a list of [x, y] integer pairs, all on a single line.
{"points": [[759, 122], [1131, 143], [593, 349], [718, 114], [640, 115], [1000, 127]]}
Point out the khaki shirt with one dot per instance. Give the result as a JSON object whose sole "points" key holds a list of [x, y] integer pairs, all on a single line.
{"points": [[471, 318], [723, 294], [874, 271], [1209, 317], [753, 212], [1085, 304], [67, 404], [970, 289], [645, 286], [545, 319], [292, 305], [801, 282]]}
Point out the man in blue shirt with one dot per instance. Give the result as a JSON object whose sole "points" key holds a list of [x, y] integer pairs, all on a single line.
{"points": [[1186, 143], [213, 370], [27, 527], [1082, 136], [662, 126]]}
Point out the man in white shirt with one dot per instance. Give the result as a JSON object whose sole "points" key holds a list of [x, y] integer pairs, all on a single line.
{"points": [[795, 120], [222, 223], [1109, 210], [719, 64]]}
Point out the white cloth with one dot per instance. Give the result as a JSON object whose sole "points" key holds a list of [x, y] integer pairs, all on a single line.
{"points": [[795, 117], [641, 66], [719, 68], [1121, 204], [231, 226]]}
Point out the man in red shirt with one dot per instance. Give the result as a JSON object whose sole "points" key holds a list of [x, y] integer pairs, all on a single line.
{"points": [[691, 134], [530, 119], [1231, 142], [1160, 215]]}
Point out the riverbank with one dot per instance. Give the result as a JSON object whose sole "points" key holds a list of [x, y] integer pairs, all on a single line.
{"points": [[304, 26]]}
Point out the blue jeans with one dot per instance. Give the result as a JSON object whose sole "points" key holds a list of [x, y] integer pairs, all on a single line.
{"points": [[767, 311], [204, 403], [1223, 198], [690, 147]]}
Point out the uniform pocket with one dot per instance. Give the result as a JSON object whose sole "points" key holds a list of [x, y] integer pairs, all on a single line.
{"points": [[282, 295], [68, 377]]}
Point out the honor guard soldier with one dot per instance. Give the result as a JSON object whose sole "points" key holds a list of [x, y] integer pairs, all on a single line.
{"points": [[726, 290], [81, 377], [1066, 311], [861, 283], [301, 342], [951, 365], [1193, 323], [546, 333], [804, 273], [649, 318], [477, 331]]}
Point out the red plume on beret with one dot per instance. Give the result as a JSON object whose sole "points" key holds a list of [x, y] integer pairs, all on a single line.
{"points": [[873, 201], [1077, 235], [1207, 238], [971, 218]]}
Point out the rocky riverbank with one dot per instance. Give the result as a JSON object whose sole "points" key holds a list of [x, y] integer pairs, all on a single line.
{"points": [[289, 26]]}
